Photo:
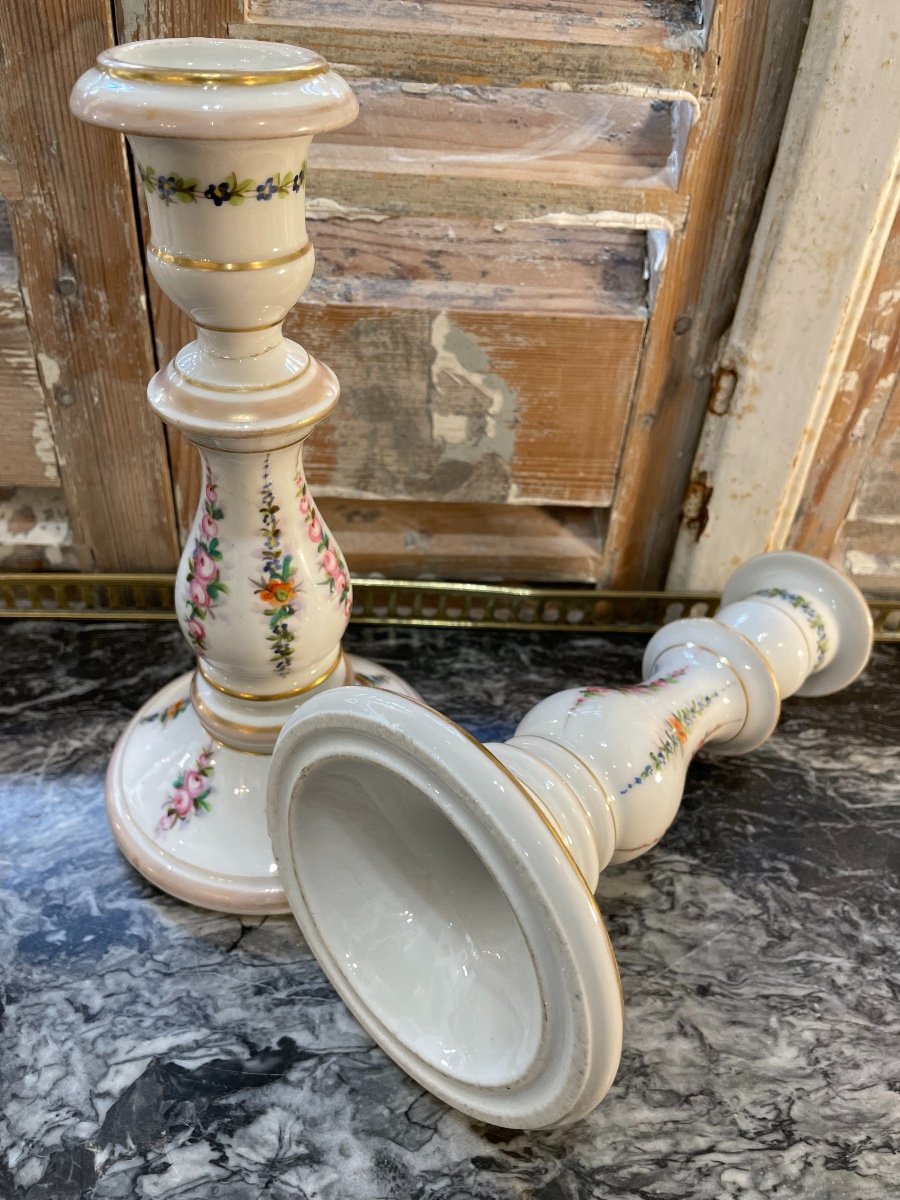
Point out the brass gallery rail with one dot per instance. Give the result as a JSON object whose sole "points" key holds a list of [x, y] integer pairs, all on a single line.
{"points": [[88, 597]]}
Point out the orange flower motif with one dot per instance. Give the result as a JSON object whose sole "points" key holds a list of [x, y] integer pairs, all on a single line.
{"points": [[278, 591], [680, 732]]}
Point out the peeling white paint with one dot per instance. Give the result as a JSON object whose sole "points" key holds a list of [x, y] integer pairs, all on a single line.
{"points": [[860, 562], [321, 208], [44, 446], [647, 92], [849, 381], [878, 341], [49, 369], [452, 428], [605, 219], [461, 369]]}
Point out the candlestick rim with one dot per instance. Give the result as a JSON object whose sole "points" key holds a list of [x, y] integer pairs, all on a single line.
{"points": [[395, 742], [831, 587]]}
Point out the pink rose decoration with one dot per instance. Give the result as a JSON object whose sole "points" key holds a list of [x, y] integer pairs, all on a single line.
{"points": [[340, 582], [210, 493], [203, 760], [204, 566], [315, 530], [199, 594], [194, 784], [196, 632], [167, 820], [330, 562], [208, 527], [181, 802], [304, 504]]}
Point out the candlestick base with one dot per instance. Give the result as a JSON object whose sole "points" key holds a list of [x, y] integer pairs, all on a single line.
{"points": [[189, 812]]}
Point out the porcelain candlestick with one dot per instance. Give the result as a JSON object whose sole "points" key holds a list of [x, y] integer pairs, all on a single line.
{"points": [[220, 131], [446, 887]]}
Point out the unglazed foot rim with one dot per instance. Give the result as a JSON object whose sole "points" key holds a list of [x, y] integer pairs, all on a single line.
{"points": [[829, 586], [380, 806], [220, 859]]}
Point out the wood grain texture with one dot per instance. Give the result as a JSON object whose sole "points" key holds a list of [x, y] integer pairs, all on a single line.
{"points": [[858, 430], [510, 60], [78, 256], [27, 453], [651, 23], [480, 406], [479, 543], [478, 265], [139, 19], [396, 194], [513, 134], [752, 59]]}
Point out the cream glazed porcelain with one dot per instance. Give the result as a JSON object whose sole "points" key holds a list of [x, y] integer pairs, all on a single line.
{"points": [[447, 887], [220, 132]]}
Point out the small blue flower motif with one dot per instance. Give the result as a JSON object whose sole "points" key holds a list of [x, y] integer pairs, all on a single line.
{"points": [[165, 185], [265, 191], [298, 182], [219, 193]]}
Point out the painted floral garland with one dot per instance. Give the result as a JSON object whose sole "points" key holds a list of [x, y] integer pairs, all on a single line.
{"points": [[331, 563], [165, 715], [204, 584], [190, 790], [812, 615], [678, 725], [277, 589], [652, 685], [170, 188]]}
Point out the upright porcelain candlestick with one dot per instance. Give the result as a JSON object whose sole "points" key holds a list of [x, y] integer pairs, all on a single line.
{"points": [[220, 131], [447, 887]]}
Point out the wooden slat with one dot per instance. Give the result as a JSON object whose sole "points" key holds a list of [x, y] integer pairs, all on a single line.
{"points": [[480, 406], [482, 543], [392, 194], [78, 257], [653, 23], [857, 414], [511, 44], [478, 265], [27, 454], [512, 134], [754, 50], [486, 60]]}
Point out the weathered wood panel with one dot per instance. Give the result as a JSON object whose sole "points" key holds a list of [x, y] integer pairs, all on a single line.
{"points": [[540, 45], [514, 134], [478, 265], [859, 421], [751, 62], [75, 236], [27, 453], [481, 543], [477, 406], [615, 22]]}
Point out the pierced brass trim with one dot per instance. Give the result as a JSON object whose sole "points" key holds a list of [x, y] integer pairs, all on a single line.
{"points": [[209, 264], [127, 597], [192, 78]]}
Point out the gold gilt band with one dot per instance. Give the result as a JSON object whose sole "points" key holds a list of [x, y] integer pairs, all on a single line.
{"points": [[208, 264], [219, 78]]}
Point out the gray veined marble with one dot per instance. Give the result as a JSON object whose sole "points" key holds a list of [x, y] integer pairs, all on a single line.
{"points": [[152, 1050]]}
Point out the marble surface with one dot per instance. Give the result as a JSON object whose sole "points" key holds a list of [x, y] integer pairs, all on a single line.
{"points": [[151, 1050]]}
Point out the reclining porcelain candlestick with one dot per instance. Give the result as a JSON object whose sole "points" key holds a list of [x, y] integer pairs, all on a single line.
{"points": [[447, 887], [220, 132]]}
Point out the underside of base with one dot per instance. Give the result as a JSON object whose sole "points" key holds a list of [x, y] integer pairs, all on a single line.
{"points": [[189, 813]]}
